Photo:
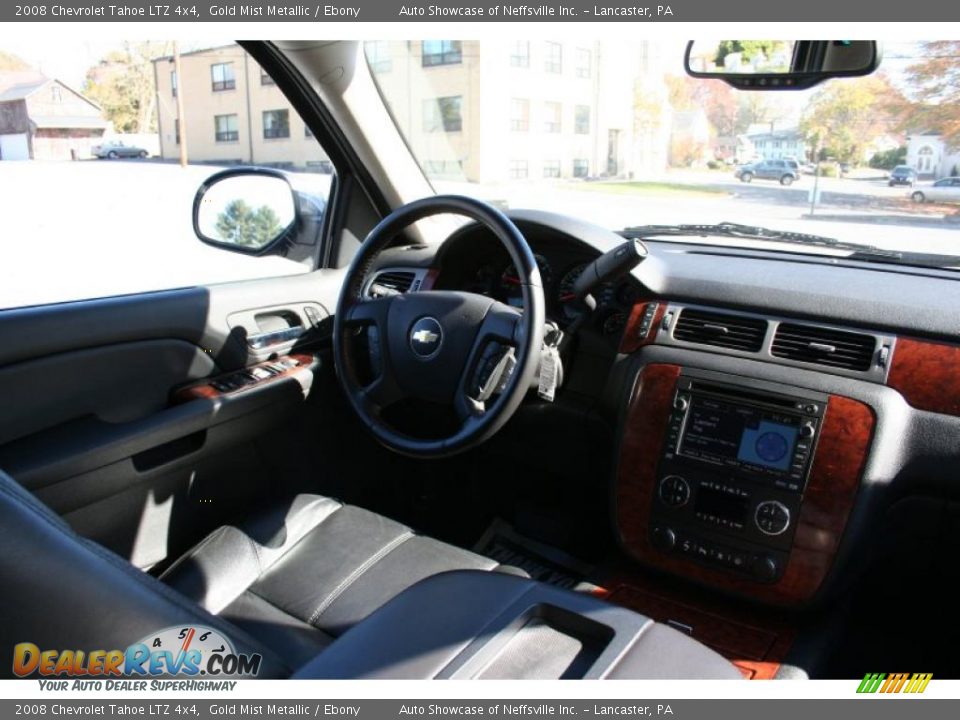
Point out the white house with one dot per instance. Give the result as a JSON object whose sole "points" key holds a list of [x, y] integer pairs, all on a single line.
{"points": [[772, 143], [930, 156]]}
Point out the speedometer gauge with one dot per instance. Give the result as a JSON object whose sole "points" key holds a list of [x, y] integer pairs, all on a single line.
{"points": [[510, 281], [569, 279]]}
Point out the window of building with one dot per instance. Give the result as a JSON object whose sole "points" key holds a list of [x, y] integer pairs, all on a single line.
{"points": [[265, 79], [520, 54], [222, 77], [581, 120], [173, 83], [519, 115], [55, 94], [276, 124], [443, 113], [176, 130], [441, 52], [518, 170], [552, 113], [553, 63], [226, 128], [581, 167], [551, 168], [378, 56], [584, 63]]}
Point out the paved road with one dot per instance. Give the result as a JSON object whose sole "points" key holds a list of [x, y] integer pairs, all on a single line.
{"points": [[93, 229]]}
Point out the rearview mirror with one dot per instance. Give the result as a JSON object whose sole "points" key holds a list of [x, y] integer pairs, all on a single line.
{"points": [[246, 210], [780, 64]]}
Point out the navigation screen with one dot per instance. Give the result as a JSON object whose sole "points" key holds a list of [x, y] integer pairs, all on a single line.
{"points": [[720, 431]]}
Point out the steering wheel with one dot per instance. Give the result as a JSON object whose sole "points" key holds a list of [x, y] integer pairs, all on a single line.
{"points": [[433, 345]]}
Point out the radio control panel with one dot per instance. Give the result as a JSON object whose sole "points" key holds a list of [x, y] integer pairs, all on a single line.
{"points": [[732, 473]]}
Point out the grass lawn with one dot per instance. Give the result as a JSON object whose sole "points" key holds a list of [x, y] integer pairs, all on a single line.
{"points": [[649, 188]]}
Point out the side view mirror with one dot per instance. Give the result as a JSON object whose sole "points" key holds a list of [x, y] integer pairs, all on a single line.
{"points": [[246, 210], [780, 64]]}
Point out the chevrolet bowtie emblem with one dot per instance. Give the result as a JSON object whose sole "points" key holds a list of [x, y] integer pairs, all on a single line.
{"points": [[425, 336]]}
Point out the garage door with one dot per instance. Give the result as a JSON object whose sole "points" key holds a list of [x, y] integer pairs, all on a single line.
{"points": [[14, 147]]}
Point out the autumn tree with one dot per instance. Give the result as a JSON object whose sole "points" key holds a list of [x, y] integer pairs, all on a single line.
{"points": [[843, 118], [935, 98], [122, 84], [9, 61]]}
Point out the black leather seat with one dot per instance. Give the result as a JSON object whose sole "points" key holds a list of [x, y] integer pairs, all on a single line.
{"points": [[300, 575], [283, 585]]}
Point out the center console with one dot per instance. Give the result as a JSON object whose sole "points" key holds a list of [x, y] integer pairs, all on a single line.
{"points": [[731, 474], [738, 483]]}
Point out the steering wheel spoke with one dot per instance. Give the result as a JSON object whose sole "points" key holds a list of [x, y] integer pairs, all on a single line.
{"points": [[370, 312], [383, 392]]}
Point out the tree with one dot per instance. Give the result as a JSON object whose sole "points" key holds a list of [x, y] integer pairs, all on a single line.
{"points": [[935, 98], [242, 225], [843, 118], [889, 159], [748, 49], [122, 84], [717, 99], [9, 61]]}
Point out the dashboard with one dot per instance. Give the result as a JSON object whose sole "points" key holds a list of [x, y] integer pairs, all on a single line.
{"points": [[474, 261], [766, 405]]}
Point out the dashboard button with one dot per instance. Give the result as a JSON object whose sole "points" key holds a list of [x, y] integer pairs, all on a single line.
{"points": [[772, 517], [674, 491]]}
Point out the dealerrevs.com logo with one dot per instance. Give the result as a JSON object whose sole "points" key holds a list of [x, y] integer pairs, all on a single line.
{"points": [[175, 651], [894, 683]]}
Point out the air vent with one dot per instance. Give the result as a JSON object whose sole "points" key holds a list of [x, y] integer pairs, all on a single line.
{"points": [[833, 348], [391, 283], [735, 332]]}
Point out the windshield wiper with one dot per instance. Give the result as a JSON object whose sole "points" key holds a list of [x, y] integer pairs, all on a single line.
{"points": [[858, 251], [751, 232]]}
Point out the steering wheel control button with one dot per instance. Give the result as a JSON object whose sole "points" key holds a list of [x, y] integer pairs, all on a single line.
{"points": [[674, 491], [772, 517], [426, 338]]}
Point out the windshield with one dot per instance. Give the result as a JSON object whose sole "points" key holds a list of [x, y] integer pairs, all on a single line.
{"points": [[616, 133]]}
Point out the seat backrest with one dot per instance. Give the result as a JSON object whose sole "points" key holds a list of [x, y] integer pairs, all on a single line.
{"points": [[59, 591]]}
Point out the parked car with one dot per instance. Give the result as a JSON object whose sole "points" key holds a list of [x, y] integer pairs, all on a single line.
{"points": [[114, 150], [946, 190], [902, 175], [785, 171]]}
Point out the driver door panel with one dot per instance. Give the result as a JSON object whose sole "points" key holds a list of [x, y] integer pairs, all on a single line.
{"points": [[94, 427]]}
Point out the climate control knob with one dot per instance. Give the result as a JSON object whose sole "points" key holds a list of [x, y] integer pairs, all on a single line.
{"points": [[765, 568], [772, 517], [663, 538], [681, 402], [674, 491]]}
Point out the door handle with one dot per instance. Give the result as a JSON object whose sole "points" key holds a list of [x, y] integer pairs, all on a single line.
{"points": [[274, 337]]}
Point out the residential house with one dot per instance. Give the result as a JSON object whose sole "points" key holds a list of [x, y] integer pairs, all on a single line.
{"points": [[41, 118], [772, 143], [931, 156]]}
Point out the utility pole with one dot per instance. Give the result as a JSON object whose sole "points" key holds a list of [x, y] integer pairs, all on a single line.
{"points": [[181, 117]]}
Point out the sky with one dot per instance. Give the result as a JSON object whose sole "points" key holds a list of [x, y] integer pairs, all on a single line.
{"points": [[69, 60]]}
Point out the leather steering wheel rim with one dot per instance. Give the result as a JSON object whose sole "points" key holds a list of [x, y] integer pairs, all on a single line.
{"points": [[466, 313]]}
